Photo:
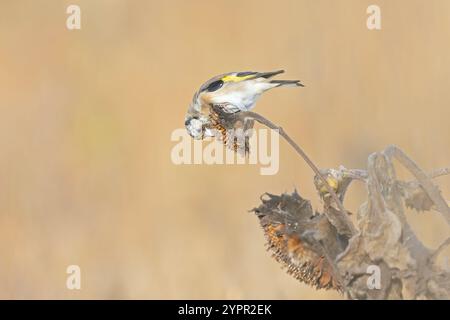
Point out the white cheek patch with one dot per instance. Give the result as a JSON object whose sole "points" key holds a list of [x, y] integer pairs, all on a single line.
{"points": [[194, 128]]}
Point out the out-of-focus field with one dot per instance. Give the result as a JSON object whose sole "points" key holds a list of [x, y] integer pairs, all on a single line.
{"points": [[86, 116]]}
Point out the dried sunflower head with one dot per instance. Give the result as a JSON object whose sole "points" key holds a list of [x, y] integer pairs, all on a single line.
{"points": [[304, 242]]}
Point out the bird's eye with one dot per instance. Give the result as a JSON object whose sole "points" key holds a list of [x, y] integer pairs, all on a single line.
{"points": [[213, 86]]}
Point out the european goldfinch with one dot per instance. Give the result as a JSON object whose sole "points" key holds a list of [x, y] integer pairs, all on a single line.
{"points": [[230, 92]]}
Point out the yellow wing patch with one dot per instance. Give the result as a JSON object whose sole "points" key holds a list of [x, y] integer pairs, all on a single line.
{"points": [[232, 78]]}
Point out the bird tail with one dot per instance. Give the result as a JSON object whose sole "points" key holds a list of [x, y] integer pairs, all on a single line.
{"points": [[287, 83], [278, 83]]}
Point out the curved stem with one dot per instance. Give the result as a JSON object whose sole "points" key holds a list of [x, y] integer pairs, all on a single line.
{"points": [[271, 125]]}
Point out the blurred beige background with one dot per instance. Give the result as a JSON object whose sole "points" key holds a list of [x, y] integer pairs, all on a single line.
{"points": [[86, 116]]}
